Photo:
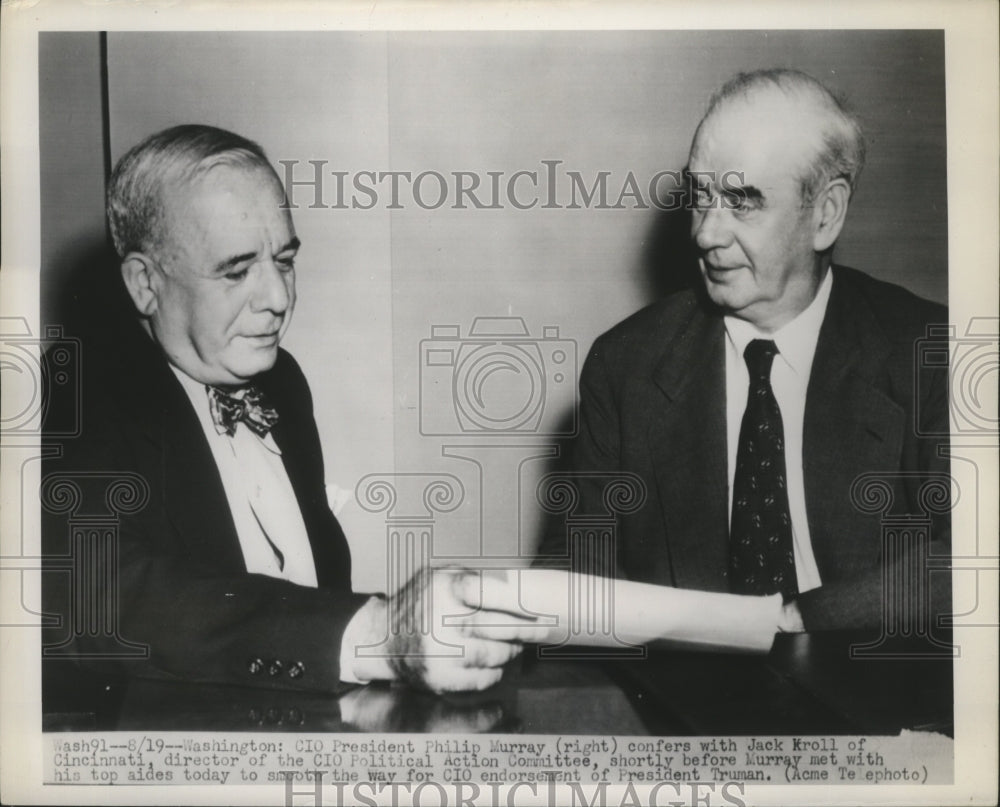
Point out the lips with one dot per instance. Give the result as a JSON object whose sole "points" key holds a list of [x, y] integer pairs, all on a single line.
{"points": [[713, 267], [271, 336]]}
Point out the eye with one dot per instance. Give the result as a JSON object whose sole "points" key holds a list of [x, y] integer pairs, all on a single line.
{"points": [[237, 274], [741, 203], [286, 264]]}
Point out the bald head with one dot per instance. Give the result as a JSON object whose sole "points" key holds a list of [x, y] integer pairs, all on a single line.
{"points": [[828, 141]]}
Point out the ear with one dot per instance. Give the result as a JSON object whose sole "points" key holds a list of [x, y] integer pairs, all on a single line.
{"points": [[140, 275], [830, 210]]}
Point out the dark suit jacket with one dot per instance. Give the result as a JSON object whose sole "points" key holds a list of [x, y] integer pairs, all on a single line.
{"points": [[182, 585], [653, 402]]}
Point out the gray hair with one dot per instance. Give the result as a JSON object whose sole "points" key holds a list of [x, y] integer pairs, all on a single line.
{"points": [[842, 154], [134, 202]]}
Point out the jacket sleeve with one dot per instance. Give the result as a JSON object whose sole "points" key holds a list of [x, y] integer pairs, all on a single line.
{"points": [[910, 587]]}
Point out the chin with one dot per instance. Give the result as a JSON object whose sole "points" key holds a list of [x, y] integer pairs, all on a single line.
{"points": [[725, 296], [732, 291], [259, 362]]}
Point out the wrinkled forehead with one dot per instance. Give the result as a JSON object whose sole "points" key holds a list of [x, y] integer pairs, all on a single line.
{"points": [[252, 182], [223, 186], [767, 136]]}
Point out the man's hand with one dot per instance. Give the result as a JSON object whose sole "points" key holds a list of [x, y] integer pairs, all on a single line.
{"points": [[424, 648]]}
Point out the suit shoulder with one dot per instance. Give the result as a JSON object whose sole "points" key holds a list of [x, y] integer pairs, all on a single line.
{"points": [[899, 312], [653, 325]]}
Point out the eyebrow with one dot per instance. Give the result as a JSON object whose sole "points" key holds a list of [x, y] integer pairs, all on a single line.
{"points": [[291, 245], [227, 264], [748, 192]]}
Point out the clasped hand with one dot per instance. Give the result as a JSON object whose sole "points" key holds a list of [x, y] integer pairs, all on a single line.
{"points": [[439, 638]]}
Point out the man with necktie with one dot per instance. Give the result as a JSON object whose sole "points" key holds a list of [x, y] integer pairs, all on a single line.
{"points": [[230, 568], [750, 404]]}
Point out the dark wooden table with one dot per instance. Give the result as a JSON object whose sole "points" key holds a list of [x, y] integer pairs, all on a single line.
{"points": [[807, 684]]}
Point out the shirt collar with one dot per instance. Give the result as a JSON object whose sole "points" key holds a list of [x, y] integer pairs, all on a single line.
{"points": [[796, 340]]}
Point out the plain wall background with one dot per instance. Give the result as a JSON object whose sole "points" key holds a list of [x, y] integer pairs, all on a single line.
{"points": [[372, 283], [71, 125]]}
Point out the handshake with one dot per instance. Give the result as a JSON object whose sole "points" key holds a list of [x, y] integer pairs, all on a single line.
{"points": [[452, 629], [442, 636]]}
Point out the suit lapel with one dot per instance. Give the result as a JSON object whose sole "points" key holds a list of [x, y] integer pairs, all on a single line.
{"points": [[194, 499], [299, 454], [688, 444], [851, 426]]}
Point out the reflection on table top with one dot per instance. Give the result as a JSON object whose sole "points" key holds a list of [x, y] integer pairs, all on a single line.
{"points": [[808, 684]]}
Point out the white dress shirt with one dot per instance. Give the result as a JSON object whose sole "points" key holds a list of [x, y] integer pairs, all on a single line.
{"points": [[796, 342], [266, 513]]}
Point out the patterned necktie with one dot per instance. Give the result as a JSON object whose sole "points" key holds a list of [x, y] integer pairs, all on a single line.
{"points": [[762, 558], [247, 405]]}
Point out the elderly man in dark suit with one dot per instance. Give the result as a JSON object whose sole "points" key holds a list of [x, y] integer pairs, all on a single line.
{"points": [[751, 404], [233, 569]]}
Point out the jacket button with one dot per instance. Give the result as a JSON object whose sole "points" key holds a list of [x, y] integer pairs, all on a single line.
{"points": [[297, 670], [255, 666], [274, 667]]}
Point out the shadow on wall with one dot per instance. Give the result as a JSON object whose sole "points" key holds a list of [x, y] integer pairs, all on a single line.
{"points": [[668, 263], [88, 296], [669, 260]]}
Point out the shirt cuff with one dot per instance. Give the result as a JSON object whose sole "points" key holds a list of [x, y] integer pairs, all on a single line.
{"points": [[790, 618], [360, 632]]}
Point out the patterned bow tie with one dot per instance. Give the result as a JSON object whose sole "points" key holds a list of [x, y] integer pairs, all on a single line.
{"points": [[247, 405]]}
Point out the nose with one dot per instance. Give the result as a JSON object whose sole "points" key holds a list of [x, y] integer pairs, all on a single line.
{"points": [[274, 290], [710, 228]]}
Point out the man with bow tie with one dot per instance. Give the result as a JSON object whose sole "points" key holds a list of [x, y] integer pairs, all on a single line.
{"points": [[234, 570]]}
